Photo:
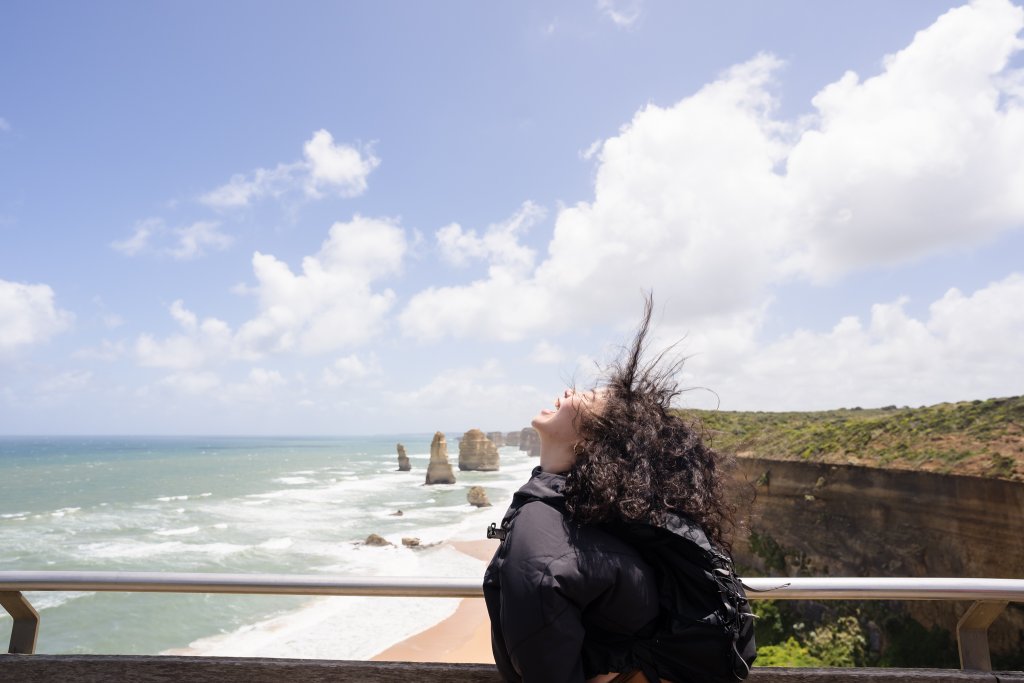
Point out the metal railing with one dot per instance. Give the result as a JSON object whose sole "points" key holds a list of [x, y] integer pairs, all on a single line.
{"points": [[989, 596]]}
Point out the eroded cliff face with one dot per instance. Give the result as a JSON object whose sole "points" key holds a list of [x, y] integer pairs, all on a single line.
{"points": [[841, 520]]}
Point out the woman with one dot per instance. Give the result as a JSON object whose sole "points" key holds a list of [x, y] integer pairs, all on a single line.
{"points": [[567, 595]]}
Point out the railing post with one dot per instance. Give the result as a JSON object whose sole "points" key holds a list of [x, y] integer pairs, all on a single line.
{"points": [[26, 622], [972, 634]]}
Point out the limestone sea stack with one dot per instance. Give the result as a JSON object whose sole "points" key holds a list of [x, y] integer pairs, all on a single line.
{"points": [[403, 459], [439, 471], [497, 438], [529, 441], [478, 496], [477, 452], [512, 439]]}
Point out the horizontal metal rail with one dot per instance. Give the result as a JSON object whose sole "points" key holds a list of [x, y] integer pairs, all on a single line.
{"points": [[989, 596]]}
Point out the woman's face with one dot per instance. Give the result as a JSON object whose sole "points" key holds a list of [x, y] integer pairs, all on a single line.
{"points": [[557, 425]]}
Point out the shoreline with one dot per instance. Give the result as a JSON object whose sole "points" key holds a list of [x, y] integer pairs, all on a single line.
{"points": [[464, 637]]}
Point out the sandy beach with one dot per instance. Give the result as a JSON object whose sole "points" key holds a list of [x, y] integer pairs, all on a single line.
{"points": [[463, 637]]}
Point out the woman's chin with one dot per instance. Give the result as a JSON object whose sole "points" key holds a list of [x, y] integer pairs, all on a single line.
{"points": [[541, 418]]}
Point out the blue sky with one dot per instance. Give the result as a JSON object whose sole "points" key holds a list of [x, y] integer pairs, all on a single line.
{"points": [[345, 218]]}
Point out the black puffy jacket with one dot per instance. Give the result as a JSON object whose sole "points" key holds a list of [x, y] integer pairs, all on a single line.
{"points": [[551, 582]]}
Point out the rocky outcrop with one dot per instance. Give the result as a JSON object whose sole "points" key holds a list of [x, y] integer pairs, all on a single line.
{"points": [[403, 459], [375, 539], [512, 439], [497, 438], [439, 471], [410, 541], [478, 496], [477, 452], [529, 441], [818, 519]]}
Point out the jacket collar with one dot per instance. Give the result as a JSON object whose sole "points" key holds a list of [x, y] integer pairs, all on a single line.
{"points": [[543, 486]]}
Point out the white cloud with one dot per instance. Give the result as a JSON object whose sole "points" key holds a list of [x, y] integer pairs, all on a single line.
{"points": [[545, 352], [713, 201], [499, 245], [330, 304], [471, 397], [29, 315], [139, 241], [64, 383], [350, 369], [623, 13], [262, 182], [924, 156], [339, 167], [259, 386], [326, 168], [191, 383], [194, 239], [112, 320], [199, 342], [182, 243], [966, 347], [107, 351]]}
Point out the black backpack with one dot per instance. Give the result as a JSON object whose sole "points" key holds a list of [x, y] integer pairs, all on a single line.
{"points": [[704, 632], [705, 629]]}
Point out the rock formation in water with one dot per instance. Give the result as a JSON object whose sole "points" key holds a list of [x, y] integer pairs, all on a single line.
{"points": [[478, 496], [497, 438], [375, 539], [512, 439], [403, 459], [439, 471], [529, 441], [477, 452], [410, 541]]}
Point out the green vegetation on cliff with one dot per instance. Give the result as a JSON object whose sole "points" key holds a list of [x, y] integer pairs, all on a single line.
{"points": [[980, 438]]}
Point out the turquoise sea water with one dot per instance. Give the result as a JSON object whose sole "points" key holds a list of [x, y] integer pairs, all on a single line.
{"points": [[232, 504]]}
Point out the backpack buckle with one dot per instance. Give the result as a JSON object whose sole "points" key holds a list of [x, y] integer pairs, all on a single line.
{"points": [[494, 532]]}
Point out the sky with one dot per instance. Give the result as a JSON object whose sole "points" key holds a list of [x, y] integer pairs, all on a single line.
{"points": [[333, 218]]}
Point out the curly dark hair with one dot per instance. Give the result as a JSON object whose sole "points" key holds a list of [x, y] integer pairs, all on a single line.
{"points": [[637, 460]]}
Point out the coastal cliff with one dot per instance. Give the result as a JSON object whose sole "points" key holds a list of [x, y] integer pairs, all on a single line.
{"points": [[822, 519]]}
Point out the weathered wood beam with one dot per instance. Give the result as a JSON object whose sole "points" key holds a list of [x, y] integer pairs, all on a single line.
{"points": [[116, 668]]}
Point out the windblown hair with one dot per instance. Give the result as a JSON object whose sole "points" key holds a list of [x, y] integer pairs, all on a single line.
{"points": [[637, 460]]}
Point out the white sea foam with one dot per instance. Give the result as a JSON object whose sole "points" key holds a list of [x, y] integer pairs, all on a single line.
{"points": [[42, 600], [277, 544], [167, 499], [64, 511], [136, 550], [177, 532], [14, 515], [295, 481]]}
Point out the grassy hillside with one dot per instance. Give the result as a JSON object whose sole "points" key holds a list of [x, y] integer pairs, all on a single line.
{"points": [[980, 438]]}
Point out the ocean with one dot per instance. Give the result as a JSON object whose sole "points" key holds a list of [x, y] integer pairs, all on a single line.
{"points": [[237, 505]]}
